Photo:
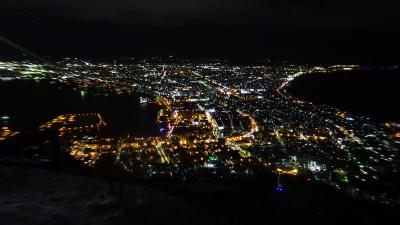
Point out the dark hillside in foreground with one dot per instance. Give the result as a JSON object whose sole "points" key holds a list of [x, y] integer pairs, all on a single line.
{"points": [[37, 196], [371, 93]]}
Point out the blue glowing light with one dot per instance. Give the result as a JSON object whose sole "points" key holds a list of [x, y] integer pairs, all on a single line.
{"points": [[279, 189], [162, 129]]}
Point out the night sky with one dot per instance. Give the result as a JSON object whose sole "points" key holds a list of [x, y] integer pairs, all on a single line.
{"points": [[296, 30]]}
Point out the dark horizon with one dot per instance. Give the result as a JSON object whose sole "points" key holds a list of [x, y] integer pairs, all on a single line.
{"points": [[303, 32]]}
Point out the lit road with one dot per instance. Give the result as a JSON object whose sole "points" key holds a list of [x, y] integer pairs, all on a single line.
{"points": [[161, 153]]}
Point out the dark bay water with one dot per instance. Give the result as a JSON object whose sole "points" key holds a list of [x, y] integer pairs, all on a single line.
{"points": [[32, 103], [372, 93]]}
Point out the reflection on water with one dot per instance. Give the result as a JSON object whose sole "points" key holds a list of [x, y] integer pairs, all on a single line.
{"points": [[30, 104]]}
